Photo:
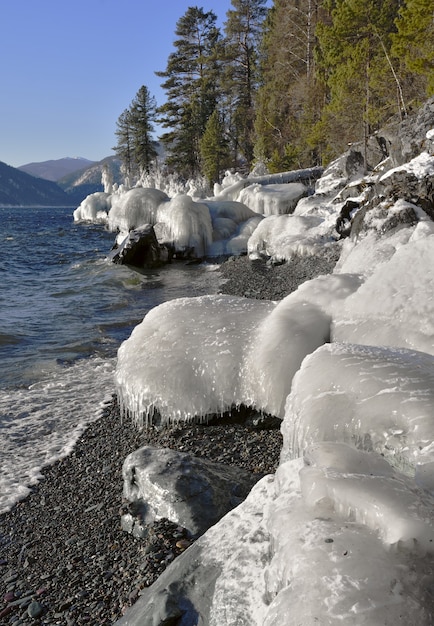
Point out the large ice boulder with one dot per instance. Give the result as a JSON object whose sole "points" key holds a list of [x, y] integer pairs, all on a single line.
{"points": [[135, 207], [214, 352]]}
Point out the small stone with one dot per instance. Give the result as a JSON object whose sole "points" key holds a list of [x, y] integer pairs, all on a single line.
{"points": [[35, 609], [10, 579], [183, 544]]}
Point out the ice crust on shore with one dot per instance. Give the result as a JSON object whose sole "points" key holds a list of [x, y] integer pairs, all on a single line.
{"points": [[214, 226], [345, 528]]}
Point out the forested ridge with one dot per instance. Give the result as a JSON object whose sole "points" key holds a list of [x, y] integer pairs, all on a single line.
{"points": [[290, 86]]}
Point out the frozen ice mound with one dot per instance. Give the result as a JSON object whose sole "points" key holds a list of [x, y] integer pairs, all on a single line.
{"points": [[94, 208], [351, 535], [374, 398], [393, 306], [194, 357], [282, 236], [134, 208]]}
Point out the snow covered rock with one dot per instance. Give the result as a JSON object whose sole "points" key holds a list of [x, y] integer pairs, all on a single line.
{"points": [[219, 579], [413, 181], [189, 491], [339, 537]]}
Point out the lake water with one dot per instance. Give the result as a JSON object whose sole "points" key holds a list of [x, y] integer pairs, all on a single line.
{"points": [[64, 310]]}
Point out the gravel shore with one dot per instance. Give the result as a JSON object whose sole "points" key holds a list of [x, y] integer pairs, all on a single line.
{"points": [[63, 556]]}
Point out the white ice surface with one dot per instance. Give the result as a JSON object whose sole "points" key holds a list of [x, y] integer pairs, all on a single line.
{"points": [[277, 199], [345, 534], [394, 306], [330, 563], [135, 207], [372, 397], [422, 165], [282, 236], [193, 357], [94, 208]]}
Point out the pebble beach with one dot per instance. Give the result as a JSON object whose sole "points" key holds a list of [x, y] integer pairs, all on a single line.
{"points": [[63, 556]]}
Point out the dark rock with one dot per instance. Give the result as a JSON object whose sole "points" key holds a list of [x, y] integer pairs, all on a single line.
{"points": [[410, 139], [402, 184], [401, 140], [345, 218], [189, 491], [140, 249], [355, 164]]}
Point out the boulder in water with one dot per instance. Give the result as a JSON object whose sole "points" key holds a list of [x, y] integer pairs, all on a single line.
{"points": [[141, 249]]}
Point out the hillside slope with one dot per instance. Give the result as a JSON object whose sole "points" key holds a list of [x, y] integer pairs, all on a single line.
{"points": [[20, 189]]}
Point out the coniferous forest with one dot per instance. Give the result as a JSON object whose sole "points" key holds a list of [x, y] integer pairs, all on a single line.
{"points": [[289, 86]]}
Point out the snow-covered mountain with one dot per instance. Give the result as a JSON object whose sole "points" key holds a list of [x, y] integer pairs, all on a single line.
{"points": [[55, 169]]}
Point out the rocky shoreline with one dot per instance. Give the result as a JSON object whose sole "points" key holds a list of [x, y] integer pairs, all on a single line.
{"points": [[64, 558]]}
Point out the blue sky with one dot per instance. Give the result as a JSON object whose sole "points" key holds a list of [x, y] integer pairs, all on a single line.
{"points": [[68, 68]]}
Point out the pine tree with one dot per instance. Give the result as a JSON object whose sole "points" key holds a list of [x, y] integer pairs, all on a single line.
{"points": [[134, 128], [190, 83], [414, 44], [354, 61], [243, 30], [289, 99], [124, 147], [214, 149], [142, 116]]}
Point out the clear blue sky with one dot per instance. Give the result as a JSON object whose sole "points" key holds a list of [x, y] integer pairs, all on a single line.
{"points": [[68, 68]]}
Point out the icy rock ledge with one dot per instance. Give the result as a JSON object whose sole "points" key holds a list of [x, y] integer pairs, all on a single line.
{"points": [[339, 545]]}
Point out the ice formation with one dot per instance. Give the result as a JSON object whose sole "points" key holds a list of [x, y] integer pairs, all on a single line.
{"points": [[274, 199], [194, 357], [188, 225], [372, 397], [94, 208], [344, 531], [135, 207], [394, 306], [282, 236]]}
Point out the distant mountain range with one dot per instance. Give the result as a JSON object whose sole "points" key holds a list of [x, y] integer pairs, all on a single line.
{"points": [[82, 182], [20, 189], [54, 170], [36, 184]]}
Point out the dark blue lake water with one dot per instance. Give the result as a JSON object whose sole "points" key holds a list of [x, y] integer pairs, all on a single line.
{"points": [[64, 310]]}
